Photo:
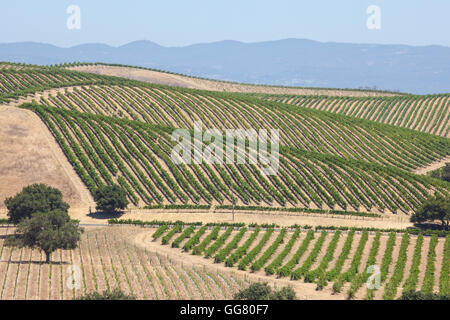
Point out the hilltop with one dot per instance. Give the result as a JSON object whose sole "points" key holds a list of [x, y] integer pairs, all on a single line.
{"points": [[184, 81]]}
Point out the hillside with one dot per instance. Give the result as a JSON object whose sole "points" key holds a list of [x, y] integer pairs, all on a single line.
{"points": [[339, 202], [30, 155], [429, 113], [118, 131], [178, 80]]}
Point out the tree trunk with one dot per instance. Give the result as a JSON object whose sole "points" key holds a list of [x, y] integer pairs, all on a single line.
{"points": [[47, 257]]}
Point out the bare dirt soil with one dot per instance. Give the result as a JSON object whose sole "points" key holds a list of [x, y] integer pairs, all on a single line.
{"points": [[29, 154], [433, 166], [386, 222], [203, 84]]}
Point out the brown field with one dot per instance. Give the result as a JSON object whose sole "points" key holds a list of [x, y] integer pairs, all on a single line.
{"points": [[30, 155], [203, 84]]}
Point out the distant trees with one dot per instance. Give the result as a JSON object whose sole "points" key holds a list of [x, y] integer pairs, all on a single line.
{"points": [[47, 231], [262, 291], [34, 198], [109, 199], [434, 208]]}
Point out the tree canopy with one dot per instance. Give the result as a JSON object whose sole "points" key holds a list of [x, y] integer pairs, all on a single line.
{"points": [[34, 198], [107, 295], [434, 208], [262, 291], [109, 199], [47, 231], [446, 172], [413, 295]]}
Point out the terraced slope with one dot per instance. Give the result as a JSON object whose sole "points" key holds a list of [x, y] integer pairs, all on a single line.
{"points": [[304, 129], [340, 260], [430, 113], [19, 80], [136, 155]]}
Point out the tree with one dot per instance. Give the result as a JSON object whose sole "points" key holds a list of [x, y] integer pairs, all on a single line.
{"points": [[107, 295], [110, 198], [47, 231], [262, 291], [434, 208], [413, 295], [34, 198], [286, 293], [446, 172]]}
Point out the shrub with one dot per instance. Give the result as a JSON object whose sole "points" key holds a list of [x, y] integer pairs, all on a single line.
{"points": [[262, 291]]}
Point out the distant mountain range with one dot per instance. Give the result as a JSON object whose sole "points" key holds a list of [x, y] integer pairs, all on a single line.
{"points": [[290, 62]]}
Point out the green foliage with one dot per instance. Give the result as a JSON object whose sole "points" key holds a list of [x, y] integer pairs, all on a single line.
{"points": [[109, 199], [262, 291], [116, 294], [195, 239], [434, 208], [242, 250], [34, 198], [419, 295], [390, 289], [286, 270], [160, 231], [185, 234], [47, 231], [444, 280], [428, 281], [258, 264], [176, 229], [446, 172], [221, 256]]}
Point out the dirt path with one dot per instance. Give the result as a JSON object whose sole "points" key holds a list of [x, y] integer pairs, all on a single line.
{"points": [[433, 166]]}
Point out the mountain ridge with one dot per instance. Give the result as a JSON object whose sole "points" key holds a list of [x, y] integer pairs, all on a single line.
{"points": [[287, 62]]}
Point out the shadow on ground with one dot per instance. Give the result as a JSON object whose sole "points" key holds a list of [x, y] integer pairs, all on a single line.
{"points": [[105, 216]]}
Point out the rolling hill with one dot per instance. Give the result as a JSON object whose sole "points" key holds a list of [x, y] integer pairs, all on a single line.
{"points": [[115, 130], [352, 159]]}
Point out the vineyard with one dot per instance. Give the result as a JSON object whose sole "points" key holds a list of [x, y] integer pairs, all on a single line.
{"points": [[136, 155], [309, 130], [105, 260], [115, 130], [342, 260], [430, 113], [354, 157]]}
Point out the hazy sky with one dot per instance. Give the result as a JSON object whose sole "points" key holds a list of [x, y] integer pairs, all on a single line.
{"points": [[183, 22]]}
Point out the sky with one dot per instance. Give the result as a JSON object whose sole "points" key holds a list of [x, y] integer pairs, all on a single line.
{"points": [[184, 22]]}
